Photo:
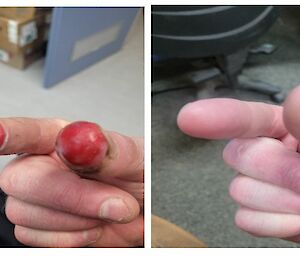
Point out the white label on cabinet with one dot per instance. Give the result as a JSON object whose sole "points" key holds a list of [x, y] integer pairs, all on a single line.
{"points": [[96, 41]]}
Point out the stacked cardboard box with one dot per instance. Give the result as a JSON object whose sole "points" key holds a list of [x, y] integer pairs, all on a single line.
{"points": [[23, 34], [23, 12]]}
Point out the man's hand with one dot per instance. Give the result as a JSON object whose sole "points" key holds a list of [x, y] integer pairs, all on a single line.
{"points": [[264, 150], [52, 206]]}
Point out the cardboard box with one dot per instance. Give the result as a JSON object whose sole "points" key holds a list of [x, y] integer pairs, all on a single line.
{"points": [[16, 13], [23, 41], [22, 60], [19, 35]]}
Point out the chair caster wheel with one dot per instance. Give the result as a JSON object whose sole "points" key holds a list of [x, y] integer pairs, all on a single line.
{"points": [[278, 98]]}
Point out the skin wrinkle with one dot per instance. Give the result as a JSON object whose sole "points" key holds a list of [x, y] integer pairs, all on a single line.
{"points": [[290, 142], [277, 122], [247, 126], [29, 214], [67, 192], [270, 126], [139, 166], [132, 161], [38, 137], [16, 136]]}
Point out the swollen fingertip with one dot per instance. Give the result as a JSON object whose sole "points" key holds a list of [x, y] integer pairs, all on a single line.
{"points": [[82, 146]]}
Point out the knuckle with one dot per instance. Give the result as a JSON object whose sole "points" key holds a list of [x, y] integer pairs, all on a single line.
{"points": [[249, 154], [15, 177], [9, 180], [139, 144], [235, 151], [69, 198]]}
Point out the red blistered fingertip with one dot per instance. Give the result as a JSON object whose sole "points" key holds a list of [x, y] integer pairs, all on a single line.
{"points": [[3, 137], [82, 145]]}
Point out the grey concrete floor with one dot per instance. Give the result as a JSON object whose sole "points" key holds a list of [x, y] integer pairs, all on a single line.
{"points": [[189, 180], [111, 92]]}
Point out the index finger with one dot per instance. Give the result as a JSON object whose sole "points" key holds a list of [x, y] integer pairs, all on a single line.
{"points": [[29, 135], [225, 118]]}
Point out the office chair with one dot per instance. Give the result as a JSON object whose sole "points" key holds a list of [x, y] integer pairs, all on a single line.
{"points": [[214, 40]]}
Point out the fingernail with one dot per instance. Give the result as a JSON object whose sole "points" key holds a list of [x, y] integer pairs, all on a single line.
{"points": [[92, 236], [3, 137], [114, 210]]}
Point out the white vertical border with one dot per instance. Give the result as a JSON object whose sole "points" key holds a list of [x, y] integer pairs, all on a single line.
{"points": [[147, 100]]}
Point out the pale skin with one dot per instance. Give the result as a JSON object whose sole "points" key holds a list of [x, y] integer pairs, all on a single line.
{"points": [[52, 206], [264, 150]]}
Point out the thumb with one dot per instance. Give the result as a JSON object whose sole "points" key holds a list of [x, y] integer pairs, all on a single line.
{"points": [[291, 110]]}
